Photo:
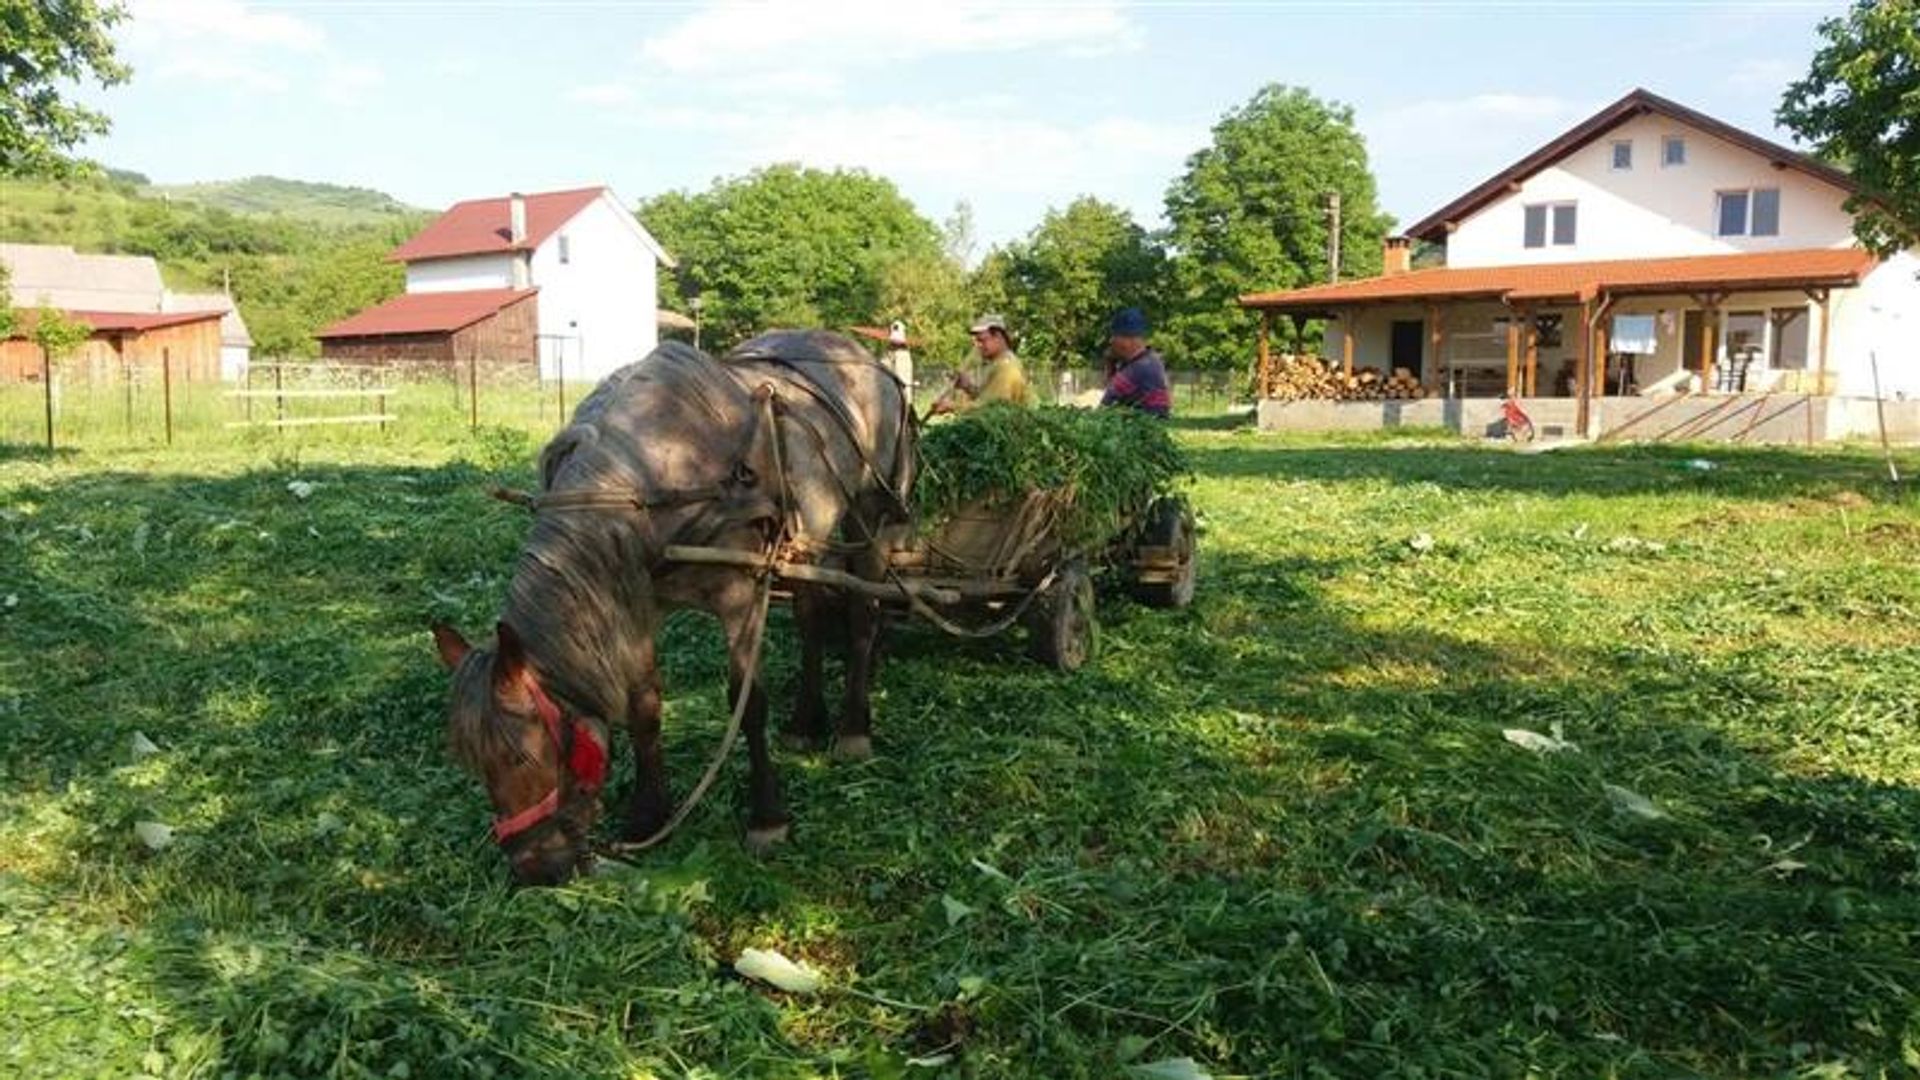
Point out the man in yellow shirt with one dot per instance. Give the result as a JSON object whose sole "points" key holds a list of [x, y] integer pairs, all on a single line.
{"points": [[1005, 378]]}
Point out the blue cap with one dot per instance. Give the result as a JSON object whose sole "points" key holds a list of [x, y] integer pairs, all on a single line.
{"points": [[1129, 322]]}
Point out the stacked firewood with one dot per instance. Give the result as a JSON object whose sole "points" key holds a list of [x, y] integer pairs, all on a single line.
{"points": [[1311, 378]]}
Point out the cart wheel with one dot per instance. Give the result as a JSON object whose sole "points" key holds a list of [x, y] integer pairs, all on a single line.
{"points": [[1170, 525], [1060, 627]]}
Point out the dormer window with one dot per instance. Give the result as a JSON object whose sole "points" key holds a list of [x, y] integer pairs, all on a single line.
{"points": [[1673, 151], [1623, 156], [1555, 222], [1749, 213]]}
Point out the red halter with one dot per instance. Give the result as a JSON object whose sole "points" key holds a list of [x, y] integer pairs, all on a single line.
{"points": [[586, 762]]}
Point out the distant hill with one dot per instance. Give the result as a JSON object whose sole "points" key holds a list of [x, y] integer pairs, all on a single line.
{"points": [[317, 257], [326, 204]]}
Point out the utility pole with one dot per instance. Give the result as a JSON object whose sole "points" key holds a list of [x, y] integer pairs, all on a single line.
{"points": [[1333, 237]]}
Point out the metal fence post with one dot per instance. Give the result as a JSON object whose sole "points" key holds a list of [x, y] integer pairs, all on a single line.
{"points": [[46, 376], [279, 400], [473, 390], [166, 390]]}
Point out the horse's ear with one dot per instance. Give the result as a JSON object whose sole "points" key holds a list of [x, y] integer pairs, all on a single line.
{"points": [[453, 648], [510, 659]]}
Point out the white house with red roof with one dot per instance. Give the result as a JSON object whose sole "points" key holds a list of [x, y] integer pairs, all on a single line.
{"points": [[1651, 248], [567, 277]]}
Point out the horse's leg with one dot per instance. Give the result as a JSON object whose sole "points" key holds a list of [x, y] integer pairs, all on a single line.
{"points": [[854, 741], [766, 818], [650, 806], [807, 728]]}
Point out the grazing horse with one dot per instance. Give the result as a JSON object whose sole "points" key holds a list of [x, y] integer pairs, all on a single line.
{"points": [[795, 444]]}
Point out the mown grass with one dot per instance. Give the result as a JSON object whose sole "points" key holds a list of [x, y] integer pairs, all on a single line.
{"points": [[1280, 833]]}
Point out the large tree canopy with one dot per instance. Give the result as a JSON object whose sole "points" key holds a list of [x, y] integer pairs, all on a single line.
{"points": [[45, 47], [1061, 284], [1860, 105], [787, 246], [1250, 214]]}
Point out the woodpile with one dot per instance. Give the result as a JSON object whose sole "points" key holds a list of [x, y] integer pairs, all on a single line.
{"points": [[1313, 378]]}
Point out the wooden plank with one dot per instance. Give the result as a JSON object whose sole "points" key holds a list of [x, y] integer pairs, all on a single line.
{"points": [[1437, 343], [374, 392], [1583, 371], [1266, 354], [818, 575], [1347, 334], [1532, 389], [1513, 353], [307, 421]]}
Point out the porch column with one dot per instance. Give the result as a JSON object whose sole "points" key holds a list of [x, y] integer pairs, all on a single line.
{"points": [[1532, 388], [1348, 331], [1513, 353], [1437, 343], [1823, 297], [1709, 336], [1583, 370], [1602, 345], [1265, 377]]}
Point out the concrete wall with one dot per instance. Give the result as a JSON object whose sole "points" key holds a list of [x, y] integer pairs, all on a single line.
{"points": [[1652, 210], [1749, 418]]}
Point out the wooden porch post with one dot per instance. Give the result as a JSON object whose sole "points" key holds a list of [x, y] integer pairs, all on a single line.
{"points": [[1823, 297], [1513, 353], [1532, 388], [1265, 378], [1709, 336], [1347, 334], [1583, 369], [1437, 343], [1603, 344]]}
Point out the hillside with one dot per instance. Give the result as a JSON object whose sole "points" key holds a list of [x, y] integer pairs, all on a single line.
{"points": [[290, 273], [326, 204]]}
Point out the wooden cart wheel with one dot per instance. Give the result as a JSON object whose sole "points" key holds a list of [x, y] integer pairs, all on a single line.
{"points": [[1169, 529], [1061, 627]]}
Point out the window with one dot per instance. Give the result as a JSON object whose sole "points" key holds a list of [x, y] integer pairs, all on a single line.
{"points": [[566, 250], [1749, 213], [1673, 150], [1564, 218], [1622, 156]]}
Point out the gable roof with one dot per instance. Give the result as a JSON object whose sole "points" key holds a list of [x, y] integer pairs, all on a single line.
{"points": [[1806, 268], [481, 226], [1434, 226], [426, 313], [59, 276], [115, 322]]}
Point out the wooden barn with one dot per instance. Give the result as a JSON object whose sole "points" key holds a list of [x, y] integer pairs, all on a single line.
{"points": [[490, 327], [124, 343]]}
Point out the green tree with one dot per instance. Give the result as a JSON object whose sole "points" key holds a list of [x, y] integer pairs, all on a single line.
{"points": [[788, 246], [58, 335], [1250, 214], [1062, 283], [8, 320], [1860, 106], [46, 45]]}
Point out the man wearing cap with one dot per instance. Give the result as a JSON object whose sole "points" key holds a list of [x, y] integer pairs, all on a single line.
{"points": [[1005, 378], [1136, 373]]}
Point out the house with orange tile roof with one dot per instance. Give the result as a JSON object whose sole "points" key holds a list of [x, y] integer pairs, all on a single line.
{"points": [[1649, 250], [566, 279]]}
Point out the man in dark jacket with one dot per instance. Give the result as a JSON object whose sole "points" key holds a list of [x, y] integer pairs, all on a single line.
{"points": [[1136, 374]]}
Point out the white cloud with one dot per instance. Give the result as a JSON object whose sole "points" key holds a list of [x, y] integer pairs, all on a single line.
{"points": [[601, 94], [224, 70], [229, 21], [738, 35], [1771, 76], [1439, 149], [348, 83]]}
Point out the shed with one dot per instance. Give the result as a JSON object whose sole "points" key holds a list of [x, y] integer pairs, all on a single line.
{"points": [[492, 327], [124, 343]]}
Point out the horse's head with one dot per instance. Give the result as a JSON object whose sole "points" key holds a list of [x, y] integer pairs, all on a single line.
{"points": [[542, 766]]}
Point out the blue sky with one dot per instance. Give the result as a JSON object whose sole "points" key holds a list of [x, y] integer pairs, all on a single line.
{"points": [[1011, 107]]}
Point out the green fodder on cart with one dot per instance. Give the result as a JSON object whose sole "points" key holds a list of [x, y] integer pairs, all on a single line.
{"points": [[1110, 464]]}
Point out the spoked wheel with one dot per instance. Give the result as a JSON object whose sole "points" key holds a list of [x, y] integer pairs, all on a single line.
{"points": [[1166, 562], [1061, 627]]}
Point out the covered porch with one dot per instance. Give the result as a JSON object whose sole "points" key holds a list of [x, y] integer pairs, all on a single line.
{"points": [[1713, 325]]}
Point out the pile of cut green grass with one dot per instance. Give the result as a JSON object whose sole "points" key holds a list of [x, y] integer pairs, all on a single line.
{"points": [[1108, 465]]}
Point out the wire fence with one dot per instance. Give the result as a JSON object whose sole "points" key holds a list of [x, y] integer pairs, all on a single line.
{"points": [[281, 398]]}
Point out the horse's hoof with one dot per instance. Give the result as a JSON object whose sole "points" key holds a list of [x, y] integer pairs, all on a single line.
{"points": [[852, 748], [802, 744], [761, 842]]}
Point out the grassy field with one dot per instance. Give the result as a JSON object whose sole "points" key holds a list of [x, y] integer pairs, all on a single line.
{"points": [[1280, 834]]}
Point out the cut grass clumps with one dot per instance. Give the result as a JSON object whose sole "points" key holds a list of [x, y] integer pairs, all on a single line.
{"points": [[1108, 465]]}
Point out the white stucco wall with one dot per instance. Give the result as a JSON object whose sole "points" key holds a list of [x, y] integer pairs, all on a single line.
{"points": [[461, 273], [233, 362], [1651, 210], [1879, 320], [597, 310]]}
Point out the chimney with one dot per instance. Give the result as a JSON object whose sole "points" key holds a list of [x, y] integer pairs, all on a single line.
{"points": [[1398, 256], [517, 219]]}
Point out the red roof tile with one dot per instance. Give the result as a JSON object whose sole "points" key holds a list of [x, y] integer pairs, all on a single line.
{"points": [[479, 226], [1840, 267], [426, 313]]}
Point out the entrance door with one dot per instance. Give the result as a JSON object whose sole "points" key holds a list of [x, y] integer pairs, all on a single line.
{"points": [[1409, 338], [1690, 343]]}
